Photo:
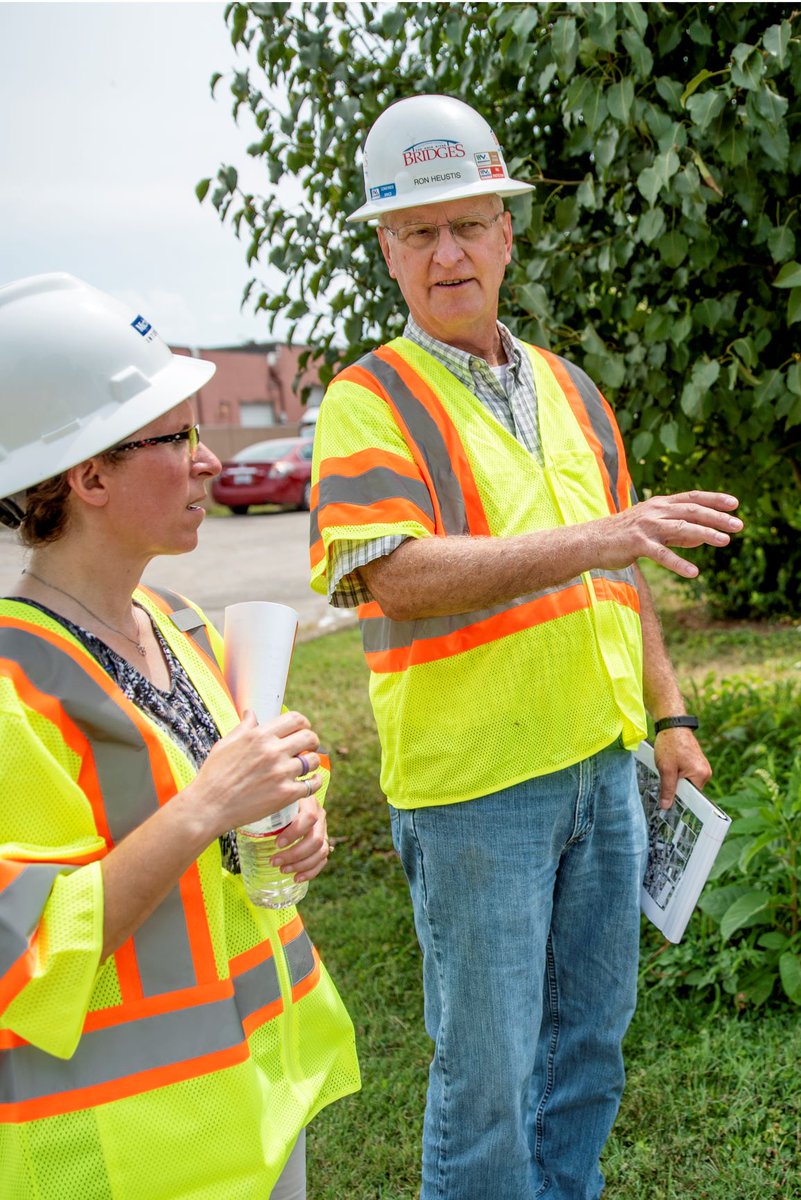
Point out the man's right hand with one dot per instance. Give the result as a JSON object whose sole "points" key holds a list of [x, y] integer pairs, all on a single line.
{"points": [[650, 528]]}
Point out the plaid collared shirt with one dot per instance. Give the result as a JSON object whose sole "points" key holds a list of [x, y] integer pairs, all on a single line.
{"points": [[515, 409]]}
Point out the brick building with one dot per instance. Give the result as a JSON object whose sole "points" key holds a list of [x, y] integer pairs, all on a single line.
{"points": [[252, 395]]}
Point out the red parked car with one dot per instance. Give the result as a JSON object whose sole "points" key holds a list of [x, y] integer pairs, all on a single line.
{"points": [[277, 472]]}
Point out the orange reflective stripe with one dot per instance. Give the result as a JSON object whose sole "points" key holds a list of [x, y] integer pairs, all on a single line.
{"points": [[620, 592], [50, 707], [153, 1006], [351, 465], [579, 409], [119, 1089], [17, 976], [366, 379], [80, 673], [382, 512], [474, 508], [511, 620]]}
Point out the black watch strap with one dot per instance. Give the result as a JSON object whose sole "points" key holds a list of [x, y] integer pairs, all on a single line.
{"points": [[686, 722]]}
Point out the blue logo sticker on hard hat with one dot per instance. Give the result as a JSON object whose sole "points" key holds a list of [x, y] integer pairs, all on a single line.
{"points": [[141, 326], [382, 192]]}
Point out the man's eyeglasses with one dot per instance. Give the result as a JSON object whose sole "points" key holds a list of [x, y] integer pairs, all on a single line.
{"points": [[184, 435], [422, 235]]}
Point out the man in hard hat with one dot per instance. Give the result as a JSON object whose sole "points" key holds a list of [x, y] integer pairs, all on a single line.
{"points": [[472, 495]]}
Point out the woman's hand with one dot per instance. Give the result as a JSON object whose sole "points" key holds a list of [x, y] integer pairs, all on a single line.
{"points": [[253, 772], [306, 842]]}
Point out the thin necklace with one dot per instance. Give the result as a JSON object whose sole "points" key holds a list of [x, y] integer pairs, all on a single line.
{"points": [[70, 596]]}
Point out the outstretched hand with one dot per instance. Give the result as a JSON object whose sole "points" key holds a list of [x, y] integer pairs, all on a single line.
{"points": [[650, 528]]}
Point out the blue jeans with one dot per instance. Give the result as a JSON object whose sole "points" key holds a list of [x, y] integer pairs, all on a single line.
{"points": [[526, 905]]}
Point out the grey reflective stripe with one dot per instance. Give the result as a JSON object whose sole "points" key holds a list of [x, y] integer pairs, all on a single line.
{"points": [[186, 619], [599, 419], [380, 633], [257, 987], [625, 575], [122, 761], [300, 957], [21, 904], [429, 442], [379, 483], [314, 526], [105, 1055]]}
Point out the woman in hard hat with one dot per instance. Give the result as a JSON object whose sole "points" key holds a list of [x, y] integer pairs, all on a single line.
{"points": [[160, 1036]]}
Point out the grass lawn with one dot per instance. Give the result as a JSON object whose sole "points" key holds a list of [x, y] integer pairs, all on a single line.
{"points": [[712, 1108]]}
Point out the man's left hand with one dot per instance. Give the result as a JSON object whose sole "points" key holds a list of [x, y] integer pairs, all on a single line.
{"points": [[678, 756]]}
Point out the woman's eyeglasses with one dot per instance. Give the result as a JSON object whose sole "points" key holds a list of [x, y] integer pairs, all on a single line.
{"points": [[184, 435]]}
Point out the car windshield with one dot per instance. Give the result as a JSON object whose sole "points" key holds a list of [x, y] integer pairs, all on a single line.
{"points": [[265, 451]]}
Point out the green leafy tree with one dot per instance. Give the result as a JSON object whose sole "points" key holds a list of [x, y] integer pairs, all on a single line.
{"points": [[661, 249]]}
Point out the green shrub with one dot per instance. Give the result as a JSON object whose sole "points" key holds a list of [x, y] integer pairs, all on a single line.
{"points": [[746, 941]]}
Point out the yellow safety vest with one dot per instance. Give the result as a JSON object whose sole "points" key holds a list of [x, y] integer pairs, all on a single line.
{"points": [[186, 1064], [468, 704]]}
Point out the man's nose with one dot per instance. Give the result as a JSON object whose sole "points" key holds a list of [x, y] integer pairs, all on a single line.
{"points": [[447, 251]]}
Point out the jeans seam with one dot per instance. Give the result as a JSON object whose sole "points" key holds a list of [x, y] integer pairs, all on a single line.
{"points": [[442, 1131], [553, 1006]]}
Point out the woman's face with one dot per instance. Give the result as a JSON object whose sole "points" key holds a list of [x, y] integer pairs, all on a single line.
{"points": [[156, 492]]}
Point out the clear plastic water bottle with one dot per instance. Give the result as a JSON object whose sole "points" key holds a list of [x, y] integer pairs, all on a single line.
{"points": [[265, 884]]}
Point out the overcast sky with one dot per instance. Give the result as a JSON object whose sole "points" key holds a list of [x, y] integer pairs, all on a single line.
{"points": [[106, 125]]}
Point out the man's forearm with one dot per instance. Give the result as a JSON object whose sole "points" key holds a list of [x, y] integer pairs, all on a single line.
{"points": [[443, 576], [661, 690]]}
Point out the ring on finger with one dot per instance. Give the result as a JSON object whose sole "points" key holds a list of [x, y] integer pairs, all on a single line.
{"points": [[304, 763], [308, 783]]}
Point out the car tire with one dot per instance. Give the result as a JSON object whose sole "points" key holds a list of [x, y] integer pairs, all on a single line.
{"points": [[305, 500], [240, 510]]}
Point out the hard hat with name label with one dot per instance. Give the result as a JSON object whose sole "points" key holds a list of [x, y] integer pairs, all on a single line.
{"points": [[79, 372], [426, 149]]}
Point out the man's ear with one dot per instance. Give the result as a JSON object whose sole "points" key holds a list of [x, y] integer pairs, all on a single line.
{"points": [[383, 241], [506, 225], [88, 481]]}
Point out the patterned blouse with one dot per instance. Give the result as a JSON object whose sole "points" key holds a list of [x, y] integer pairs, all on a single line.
{"points": [[180, 711]]}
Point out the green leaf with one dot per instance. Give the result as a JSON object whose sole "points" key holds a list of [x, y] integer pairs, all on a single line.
{"points": [[789, 276], [744, 349], [742, 912], [649, 183], [651, 224], [794, 379], [668, 435], [781, 243], [776, 39], [700, 33], [564, 46], [239, 23], [673, 247], [694, 84], [635, 13], [641, 444], [619, 99], [641, 57], [704, 108], [748, 66], [790, 973], [202, 188], [794, 306]]}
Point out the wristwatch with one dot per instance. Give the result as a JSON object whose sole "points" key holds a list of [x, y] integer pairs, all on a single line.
{"points": [[686, 722]]}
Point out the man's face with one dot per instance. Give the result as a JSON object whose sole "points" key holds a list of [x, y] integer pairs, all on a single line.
{"points": [[451, 287]]}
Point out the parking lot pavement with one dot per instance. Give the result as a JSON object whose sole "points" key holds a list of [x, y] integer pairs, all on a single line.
{"points": [[263, 556]]}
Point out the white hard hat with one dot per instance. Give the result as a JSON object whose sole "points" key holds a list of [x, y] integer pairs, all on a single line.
{"points": [[426, 149], [79, 372]]}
